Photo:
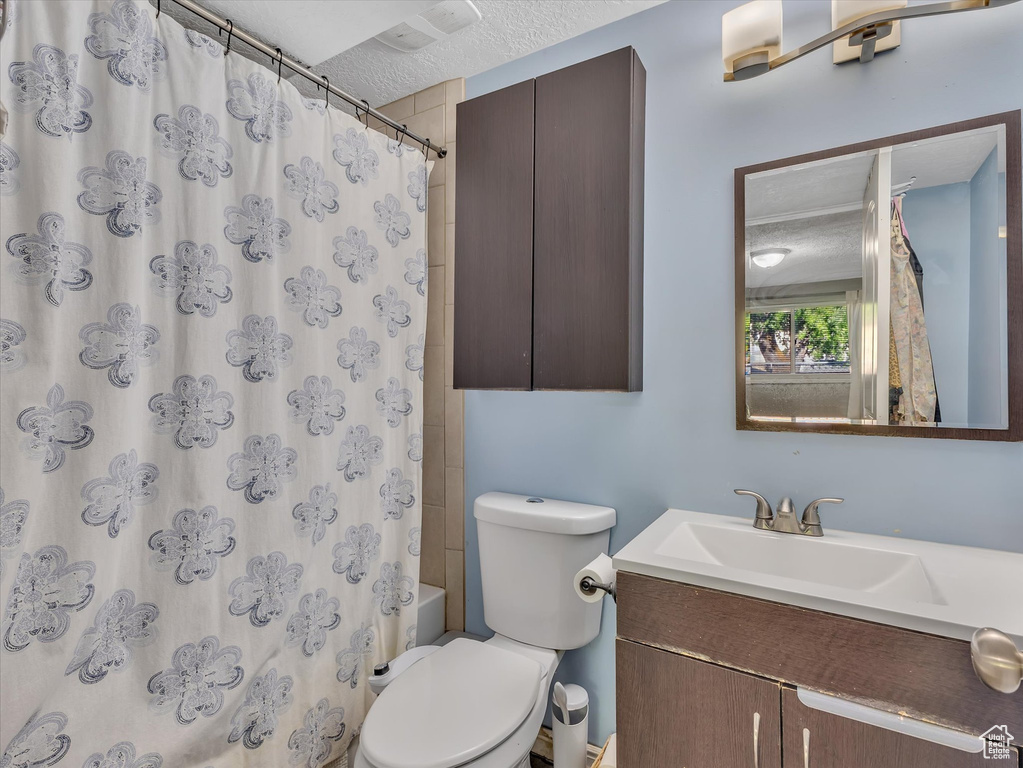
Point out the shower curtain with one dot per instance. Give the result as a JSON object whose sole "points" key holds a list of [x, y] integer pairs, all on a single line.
{"points": [[213, 311]]}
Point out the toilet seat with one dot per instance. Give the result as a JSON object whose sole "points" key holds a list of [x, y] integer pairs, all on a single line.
{"points": [[453, 706]]}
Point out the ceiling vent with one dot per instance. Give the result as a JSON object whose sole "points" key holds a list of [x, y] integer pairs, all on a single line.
{"points": [[433, 24]]}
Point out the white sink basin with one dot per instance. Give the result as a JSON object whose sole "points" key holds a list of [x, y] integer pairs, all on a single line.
{"points": [[823, 561], [937, 588]]}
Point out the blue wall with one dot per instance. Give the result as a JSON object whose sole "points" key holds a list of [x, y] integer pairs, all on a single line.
{"points": [[675, 443], [938, 222], [987, 278]]}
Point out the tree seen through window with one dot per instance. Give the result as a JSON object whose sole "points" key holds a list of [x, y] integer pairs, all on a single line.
{"points": [[801, 340]]}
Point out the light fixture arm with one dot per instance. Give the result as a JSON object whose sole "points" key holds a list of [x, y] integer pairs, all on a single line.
{"points": [[868, 29]]}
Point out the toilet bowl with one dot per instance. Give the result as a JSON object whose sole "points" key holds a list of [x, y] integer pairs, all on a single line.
{"points": [[481, 704], [471, 703]]}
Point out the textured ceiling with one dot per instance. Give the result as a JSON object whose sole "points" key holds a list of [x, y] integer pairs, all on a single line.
{"points": [[812, 187], [946, 159], [308, 31], [370, 70], [823, 248], [508, 30], [316, 30], [842, 181], [780, 205]]}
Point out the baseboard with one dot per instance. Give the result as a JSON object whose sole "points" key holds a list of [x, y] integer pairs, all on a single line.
{"points": [[544, 747]]}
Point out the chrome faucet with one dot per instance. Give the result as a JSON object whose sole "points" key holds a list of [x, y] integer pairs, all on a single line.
{"points": [[784, 521]]}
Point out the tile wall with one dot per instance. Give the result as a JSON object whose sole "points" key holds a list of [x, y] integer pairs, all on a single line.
{"points": [[431, 113]]}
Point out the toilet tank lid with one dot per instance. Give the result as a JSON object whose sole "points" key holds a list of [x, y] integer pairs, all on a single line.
{"points": [[536, 513]]}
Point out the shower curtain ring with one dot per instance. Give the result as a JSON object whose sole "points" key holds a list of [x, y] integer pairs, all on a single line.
{"points": [[157, 8], [230, 31], [426, 148], [326, 91], [280, 59], [404, 130], [367, 112]]}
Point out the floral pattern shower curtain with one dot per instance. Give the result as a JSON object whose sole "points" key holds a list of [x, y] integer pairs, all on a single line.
{"points": [[213, 305]]}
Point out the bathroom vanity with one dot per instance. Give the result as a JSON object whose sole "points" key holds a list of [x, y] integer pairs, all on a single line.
{"points": [[747, 648]]}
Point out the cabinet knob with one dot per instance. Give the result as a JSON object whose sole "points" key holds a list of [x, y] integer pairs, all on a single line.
{"points": [[996, 660]]}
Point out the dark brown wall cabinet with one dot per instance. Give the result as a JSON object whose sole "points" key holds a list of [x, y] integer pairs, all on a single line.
{"points": [[549, 231]]}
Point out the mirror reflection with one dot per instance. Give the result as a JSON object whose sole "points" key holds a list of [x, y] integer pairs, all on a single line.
{"points": [[876, 286]]}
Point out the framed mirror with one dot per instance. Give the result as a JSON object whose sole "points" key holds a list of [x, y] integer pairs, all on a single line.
{"points": [[879, 286]]}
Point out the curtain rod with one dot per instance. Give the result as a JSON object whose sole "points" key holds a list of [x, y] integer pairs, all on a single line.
{"points": [[400, 131]]}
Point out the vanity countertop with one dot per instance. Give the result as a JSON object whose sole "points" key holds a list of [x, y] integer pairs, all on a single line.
{"points": [[941, 589]]}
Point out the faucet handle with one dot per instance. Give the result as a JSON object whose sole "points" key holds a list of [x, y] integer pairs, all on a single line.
{"points": [[764, 513], [812, 519]]}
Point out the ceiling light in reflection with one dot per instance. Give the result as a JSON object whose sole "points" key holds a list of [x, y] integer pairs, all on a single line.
{"points": [[769, 257]]}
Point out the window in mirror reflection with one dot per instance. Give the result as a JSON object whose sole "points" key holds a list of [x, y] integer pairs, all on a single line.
{"points": [[800, 340]]}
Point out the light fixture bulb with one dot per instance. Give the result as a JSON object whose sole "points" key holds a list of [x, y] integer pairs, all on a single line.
{"points": [[751, 37], [770, 257]]}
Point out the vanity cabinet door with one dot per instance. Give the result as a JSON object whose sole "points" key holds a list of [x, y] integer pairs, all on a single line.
{"points": [[815, 739], [677, 712]]}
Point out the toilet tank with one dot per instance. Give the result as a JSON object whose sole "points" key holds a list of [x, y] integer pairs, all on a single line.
{"points": [[530, 550]]}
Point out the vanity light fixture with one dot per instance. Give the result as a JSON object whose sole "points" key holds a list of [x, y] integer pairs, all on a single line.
{"points": [[769, 257], [751, 34], [751, 38]]}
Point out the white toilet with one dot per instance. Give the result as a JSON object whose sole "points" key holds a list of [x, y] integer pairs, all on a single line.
{"points": [[481, 704]]}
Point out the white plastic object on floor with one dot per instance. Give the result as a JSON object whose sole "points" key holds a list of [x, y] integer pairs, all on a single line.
{"points": [[570, 721], [560, 696]]}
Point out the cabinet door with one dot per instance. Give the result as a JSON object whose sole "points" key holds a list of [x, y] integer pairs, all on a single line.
{"points": [[494, 241], [588, 245], [677, 712], [815, 739]]}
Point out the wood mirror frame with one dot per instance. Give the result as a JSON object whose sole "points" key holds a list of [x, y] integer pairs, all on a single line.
{"points": [[1014, 320]]}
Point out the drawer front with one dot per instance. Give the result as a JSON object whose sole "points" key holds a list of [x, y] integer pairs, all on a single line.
{"points": [[822, 740], [923, 676]]}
